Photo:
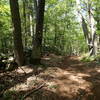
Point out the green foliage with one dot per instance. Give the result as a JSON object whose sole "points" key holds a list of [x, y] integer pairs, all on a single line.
{"points": [[53, 86], [88, 59], [62, 28], [1, 87], [9, 95], [91, 58], [97, 14], [5, 25], [97, 58]]}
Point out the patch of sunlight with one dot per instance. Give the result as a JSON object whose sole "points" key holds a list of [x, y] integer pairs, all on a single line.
{"points": [[98, 70], [66, 73], [60, 57], [28, 84], [61, 72], [20, 87], [25, 68], [46, 58], [78, 79], [83, 75], [31, 80], [85, 54], [52, 85]]}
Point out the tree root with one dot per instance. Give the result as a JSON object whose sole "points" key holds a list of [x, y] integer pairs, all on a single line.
{"points": [[33, 91]]}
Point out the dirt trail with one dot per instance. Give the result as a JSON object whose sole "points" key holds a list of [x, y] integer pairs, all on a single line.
{"points": [[76, 80], [66, 78]]}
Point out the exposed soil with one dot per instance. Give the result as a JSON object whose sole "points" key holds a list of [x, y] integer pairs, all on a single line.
{"points": [[65, 78]]}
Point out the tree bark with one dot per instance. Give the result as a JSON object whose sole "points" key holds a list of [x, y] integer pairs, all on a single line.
{"points": [[90, 32], [93, 39], [25, 23], [37, 45], [18, 46]]}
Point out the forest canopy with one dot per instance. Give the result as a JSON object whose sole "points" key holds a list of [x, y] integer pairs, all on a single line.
{"points": [[66, 27]]}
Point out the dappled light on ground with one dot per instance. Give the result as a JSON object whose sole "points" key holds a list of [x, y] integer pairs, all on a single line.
{"points": [[65, 78], [26, 69]]}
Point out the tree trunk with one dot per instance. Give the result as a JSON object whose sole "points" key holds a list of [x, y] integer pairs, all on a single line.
{"points": [[92, 28], [24, 23], [31, 18], [90, 32], [55, 37], [37, 45], [86, 33], [18, 46]]}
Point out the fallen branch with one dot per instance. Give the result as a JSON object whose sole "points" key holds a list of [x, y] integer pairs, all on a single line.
{"points": [[33, 91], [23, 70]]}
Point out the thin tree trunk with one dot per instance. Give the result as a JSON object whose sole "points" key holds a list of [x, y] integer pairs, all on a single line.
{"points": [[55, 37], [31, 17], [45, 35], [25, 24]]}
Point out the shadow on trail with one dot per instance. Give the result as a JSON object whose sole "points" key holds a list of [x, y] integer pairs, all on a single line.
{"points": [[67, 77], [76, 73], [12, 78]]}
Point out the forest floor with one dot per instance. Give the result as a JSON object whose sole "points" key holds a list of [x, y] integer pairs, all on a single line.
{"points": [[58, 78]]}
